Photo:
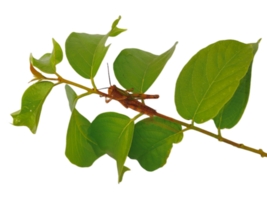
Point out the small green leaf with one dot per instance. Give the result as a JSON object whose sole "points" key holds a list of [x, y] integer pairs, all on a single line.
{"points": [[85, 52], [152, 142], [44, 63], [139, 69], [116, 22], [113, 133], [57, 53], [80, 149], [71, 97], [48, 61], [209, 80], [233, 110], [31, 106], [117, 31]]}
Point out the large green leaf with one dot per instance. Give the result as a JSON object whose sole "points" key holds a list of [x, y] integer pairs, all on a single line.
{"points": [[152, 142], [47, 63], [80, 149], [85, 52], [139, 69], [113, 133], [210, 78], [31, 105], [233, 110]]}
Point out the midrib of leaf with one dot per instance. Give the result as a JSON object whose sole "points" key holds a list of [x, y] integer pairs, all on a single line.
{"points": [[81, 68], [92, 66], [75, 129], [149, 64], [210, 85], [125, 128]]}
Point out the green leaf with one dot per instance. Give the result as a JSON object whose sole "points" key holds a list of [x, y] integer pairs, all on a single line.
{"points": [[114, 29], [152, 142], [115, 22], [139, 69], [44, 63], [233, 110], [99, 55], [82, 50], [31, 106], [48, 61], [80, 149], [113, 133], [71, 97], [57, 53], [117, 31], [210, 78]]}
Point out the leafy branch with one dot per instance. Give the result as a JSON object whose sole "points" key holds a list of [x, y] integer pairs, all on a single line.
{"points": [[214, 84]]}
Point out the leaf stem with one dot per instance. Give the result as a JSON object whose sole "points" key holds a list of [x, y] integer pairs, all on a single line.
{"points": [[189, 126], [218, 137]]}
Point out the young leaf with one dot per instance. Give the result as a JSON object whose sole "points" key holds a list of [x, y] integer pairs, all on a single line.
{"points": [[233, 110], [139, 69], [80, 149], [57, 53], [210, 78], [113, 133], [48, 61], [31, 106], [152, 142], [114, 29], [71, 97], [85, 52], [115, 22], [44, 63], [117, 31]]}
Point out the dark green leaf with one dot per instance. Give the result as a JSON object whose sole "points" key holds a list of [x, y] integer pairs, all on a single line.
{"points": [[209, 80], [81, 49], [113, 133], [80, 150], [139, 69], [152, 142], [232, 112]]}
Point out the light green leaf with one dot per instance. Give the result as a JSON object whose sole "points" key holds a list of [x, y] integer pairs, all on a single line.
{"points": [[209, 80], [117, 31], [44, 63], [80, 149], [233, 110], [116, 22], [57, 53], [152, 142], [71, 97], [48, 61], [113, 133], [114, 29], [31, 105], [85, 52], [139, 69]]}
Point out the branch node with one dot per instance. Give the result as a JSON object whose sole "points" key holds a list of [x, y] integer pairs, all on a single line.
{"points": [[261, 153]]}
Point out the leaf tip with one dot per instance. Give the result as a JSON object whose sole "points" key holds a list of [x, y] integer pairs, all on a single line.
{"points": [[176, 43], [259, 41]]}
